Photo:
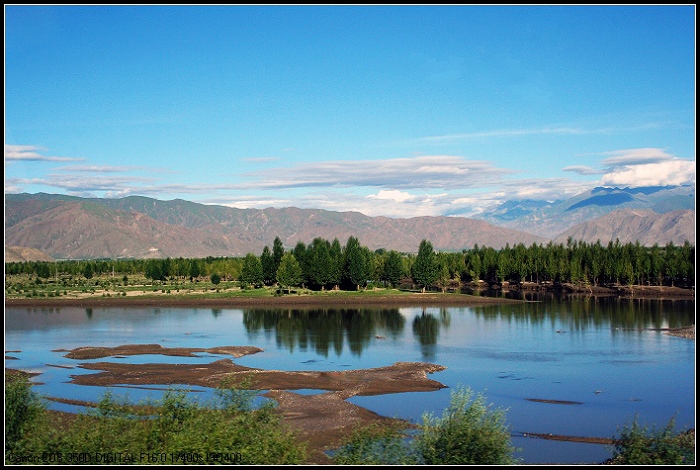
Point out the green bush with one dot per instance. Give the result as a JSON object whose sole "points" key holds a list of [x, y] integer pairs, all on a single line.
{"points": [[377, 444], [173, 430], [639, 445], [23, 407], [469, 433]]}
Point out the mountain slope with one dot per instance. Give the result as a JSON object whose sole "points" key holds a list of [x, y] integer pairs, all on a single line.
{"points": [[628, 225], [141, 227], [18, 254], [550, 219], [138, 227]]}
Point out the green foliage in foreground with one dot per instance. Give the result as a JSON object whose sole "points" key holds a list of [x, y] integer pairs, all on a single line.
{"points": [[639, 445], [174, 430], [23, 408], [468, 433]]}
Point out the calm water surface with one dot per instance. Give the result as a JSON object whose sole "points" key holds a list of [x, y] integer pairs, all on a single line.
{"points": [[599, 352]]}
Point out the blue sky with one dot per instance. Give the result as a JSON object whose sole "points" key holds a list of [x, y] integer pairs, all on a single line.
{"points": [[398, 111]]}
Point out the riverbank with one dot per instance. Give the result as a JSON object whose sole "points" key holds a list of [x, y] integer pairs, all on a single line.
{"points": [[320, 299], [237, 298]]}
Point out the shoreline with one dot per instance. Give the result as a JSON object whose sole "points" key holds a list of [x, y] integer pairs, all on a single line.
{"points": [[349, 299], [297, 301]]}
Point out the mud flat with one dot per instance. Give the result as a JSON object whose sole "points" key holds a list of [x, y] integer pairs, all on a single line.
{"points": [[93, 352], [321, 420], [397, 378]]}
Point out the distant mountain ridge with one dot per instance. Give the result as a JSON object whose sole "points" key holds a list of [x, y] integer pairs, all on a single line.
{"points": [[547, 219], [140, 227], [644, 226], [69, 227]]}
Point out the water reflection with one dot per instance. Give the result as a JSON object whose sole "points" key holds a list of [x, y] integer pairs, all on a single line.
{"points": [[426, 329], [597, 312], [325, 330]]}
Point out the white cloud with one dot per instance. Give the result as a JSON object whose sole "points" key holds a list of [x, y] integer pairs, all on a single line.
{"points": [[636, 157], [95, 168], [647, 167], [433, 171], [391, 195], [583, 170], [674, 172], [29, 153]]}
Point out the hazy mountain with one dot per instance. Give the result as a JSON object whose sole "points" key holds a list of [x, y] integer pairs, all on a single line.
{"points": [[140, 227], [17, 254], [645, 226], [548, 219]]}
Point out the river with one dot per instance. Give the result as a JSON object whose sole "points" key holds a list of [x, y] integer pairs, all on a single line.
{"points": [[578, 367]]}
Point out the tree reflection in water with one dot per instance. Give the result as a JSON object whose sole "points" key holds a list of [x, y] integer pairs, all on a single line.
{"points": [[325, 330]]}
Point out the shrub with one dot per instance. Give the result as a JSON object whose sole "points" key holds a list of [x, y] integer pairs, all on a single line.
{"points": [[22, 408], [639, 445], [377, 444], [469, 433], [174, 428]]}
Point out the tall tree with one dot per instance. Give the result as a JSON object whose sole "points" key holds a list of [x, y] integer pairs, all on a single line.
{"points": [[289, 273], [425, 268], [277, 252], [252, 272], [356, 263], [320, 266], [268, 266], [393, 268]]}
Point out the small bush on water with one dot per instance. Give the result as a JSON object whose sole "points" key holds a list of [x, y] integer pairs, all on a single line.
{"points": [[377, 444], [469, 433], [639, 445]]}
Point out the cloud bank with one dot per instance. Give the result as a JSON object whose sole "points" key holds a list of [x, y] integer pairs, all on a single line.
{"points": [[400, 187]]}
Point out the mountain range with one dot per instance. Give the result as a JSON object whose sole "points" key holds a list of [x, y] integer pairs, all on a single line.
{"points": [[70, 227]]}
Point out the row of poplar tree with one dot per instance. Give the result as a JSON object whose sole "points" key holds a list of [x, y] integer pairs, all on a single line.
{"points": [[323, 264]]}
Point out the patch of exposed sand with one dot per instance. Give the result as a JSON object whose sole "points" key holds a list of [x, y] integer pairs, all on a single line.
{"points": [[92, 352]]}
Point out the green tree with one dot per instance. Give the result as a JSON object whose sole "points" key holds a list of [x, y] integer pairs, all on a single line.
{"points": [[320, 263], [443, 272], [357, 267], [425, 268], [252, 271], [336, 253], [393, 268], [277, 252], [88, 271], [194, 269], [215, 279], [289, 273], [268, 266]]}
